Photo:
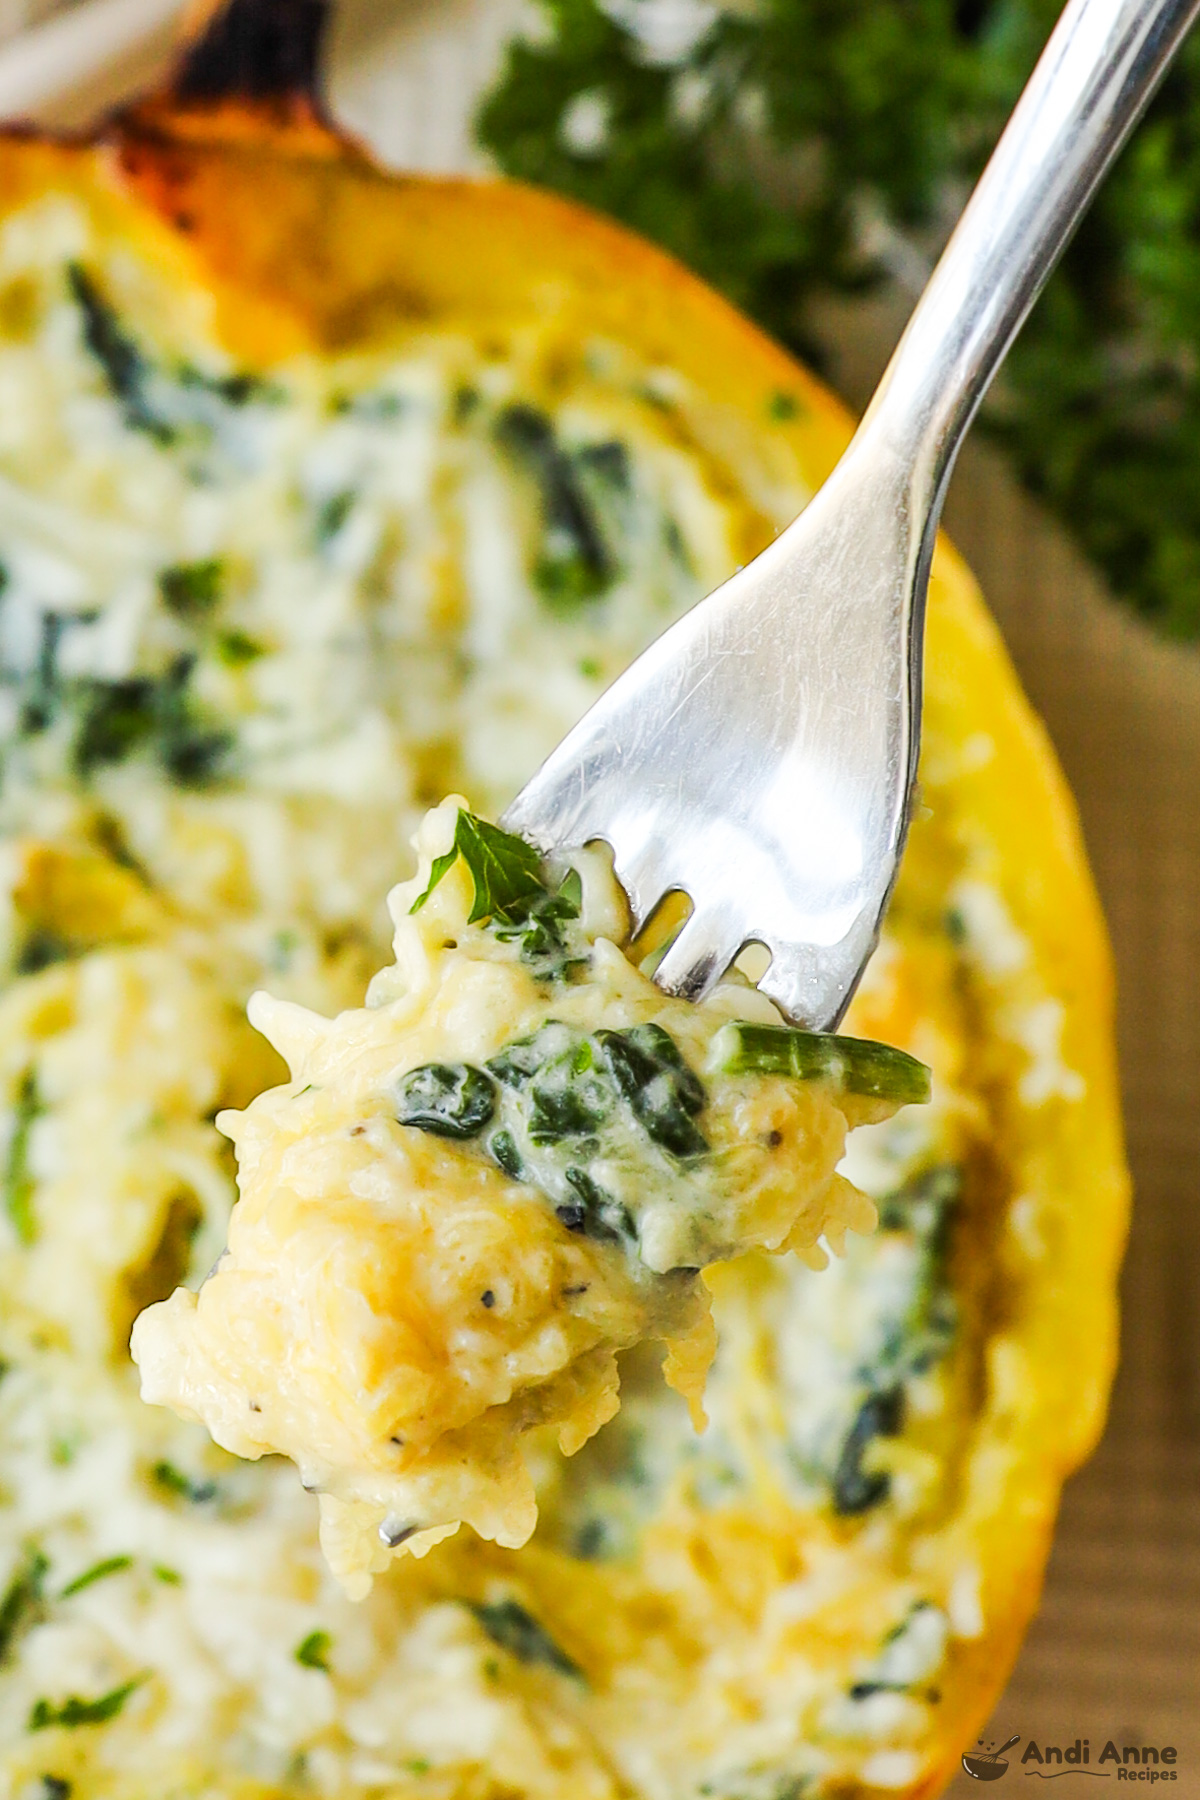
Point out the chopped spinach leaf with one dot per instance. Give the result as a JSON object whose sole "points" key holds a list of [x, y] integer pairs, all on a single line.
{"points": [[112, 1565], [502, 1148], [541, 934], [120, 718], [855, 1490], [235, 390], [191, 590], [569, 1096], [313, 1652], [562, 1091], [18, 1176], [125, 368], [575, 564], [934, 1191], [332, 515], [40, 697], [608, 461], [784, 406], [41, 949], [54, 1788], [235, 649], [519, 1061], [22, 1604], [856, 1065], [74, 1712], [450, 1100], [663, 1091], [508, 1624], [595, 1214], [173, 1481]]}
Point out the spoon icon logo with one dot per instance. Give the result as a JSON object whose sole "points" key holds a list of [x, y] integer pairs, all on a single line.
{"points": [[985, 1765]]}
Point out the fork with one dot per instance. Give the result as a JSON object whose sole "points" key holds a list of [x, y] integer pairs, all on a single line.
{"points": [[760, 756]]}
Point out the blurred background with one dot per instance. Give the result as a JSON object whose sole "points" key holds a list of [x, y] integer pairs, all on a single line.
{"points": [[809, 157]]}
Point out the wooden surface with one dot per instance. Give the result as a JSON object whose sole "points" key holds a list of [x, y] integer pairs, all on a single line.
{"points": [[1115, 1651]]}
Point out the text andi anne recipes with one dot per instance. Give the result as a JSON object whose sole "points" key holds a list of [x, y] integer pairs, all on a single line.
{"points": [[1132, 1762]]}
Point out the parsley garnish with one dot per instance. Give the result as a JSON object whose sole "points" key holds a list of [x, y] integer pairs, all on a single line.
{"points": [[511, 893], [750, 146], [506, 871]]}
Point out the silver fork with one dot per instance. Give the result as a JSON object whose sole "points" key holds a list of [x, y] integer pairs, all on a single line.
{"points": [[760, 756]]}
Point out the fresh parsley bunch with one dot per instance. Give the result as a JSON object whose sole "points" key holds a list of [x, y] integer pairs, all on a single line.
{"points": [[766, 144]]}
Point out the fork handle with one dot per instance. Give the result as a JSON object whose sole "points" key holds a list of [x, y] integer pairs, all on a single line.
{"points": [[1099, 69]]}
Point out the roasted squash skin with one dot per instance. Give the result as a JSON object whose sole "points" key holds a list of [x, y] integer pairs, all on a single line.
{"points": [[304, 246]]}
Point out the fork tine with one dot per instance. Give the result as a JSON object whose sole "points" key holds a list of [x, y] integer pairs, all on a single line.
{"points": [[642, 881], [697, 959]]}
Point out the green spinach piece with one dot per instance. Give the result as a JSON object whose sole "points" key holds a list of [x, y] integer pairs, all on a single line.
{"points": [[594, 1213], [665, 1094], [313, 1652], [234, 390], [112, 1565], [236, 648], [520, 1061], [54, 1788], [541, 931], [22, 1605], [854, 1489], [126, 370], [569, 1095], [508, 1624], [173, 1481], [41, 949], [502, 1148], [191, 590], [574, 565], [923, 1207], [332, 515], [855, 1065], [451, 1100], [19, 1183], [74, 1712], [120, 718]]}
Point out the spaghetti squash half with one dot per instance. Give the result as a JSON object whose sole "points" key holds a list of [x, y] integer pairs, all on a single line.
{"points": [[322, 494]]}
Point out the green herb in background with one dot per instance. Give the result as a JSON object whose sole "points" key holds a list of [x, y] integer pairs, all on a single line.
{"points": [[756, 142]]}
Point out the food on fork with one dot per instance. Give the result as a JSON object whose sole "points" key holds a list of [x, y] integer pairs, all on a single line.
{"points": [[512, 1164]]}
